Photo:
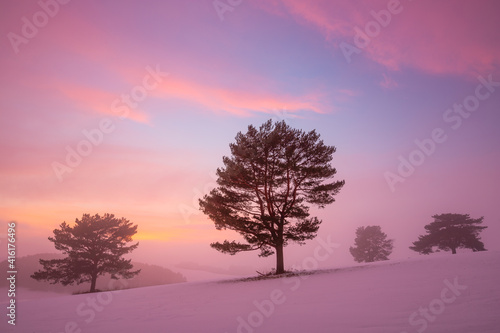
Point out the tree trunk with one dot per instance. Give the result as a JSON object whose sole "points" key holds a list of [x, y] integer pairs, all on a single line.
{"points": [[280, 264], [93, 282], [453, 250]]}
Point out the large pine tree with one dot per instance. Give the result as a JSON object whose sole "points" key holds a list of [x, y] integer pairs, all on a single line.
{"points": [[450, 232], [266, 186], [94, 246]]}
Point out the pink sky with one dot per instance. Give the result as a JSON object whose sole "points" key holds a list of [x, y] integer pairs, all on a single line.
{"points": [[279, 59]]}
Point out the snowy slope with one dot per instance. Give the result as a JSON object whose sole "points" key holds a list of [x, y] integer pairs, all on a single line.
{"points": [[462, 292]]}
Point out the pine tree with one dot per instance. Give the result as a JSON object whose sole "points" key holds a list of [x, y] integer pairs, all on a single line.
{"points": [[94, 246], [450, 232], [265, 187], [371, 244]]}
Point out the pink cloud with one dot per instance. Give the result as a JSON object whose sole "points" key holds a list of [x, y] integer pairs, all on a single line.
{"points": [[239, 102], [437, 38], [255, 94], [314, 12]]}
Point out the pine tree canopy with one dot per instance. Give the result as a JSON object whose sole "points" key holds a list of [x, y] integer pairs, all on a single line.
{"points": [[94, 246], [371, 244], [450, 232], [266, 186]]}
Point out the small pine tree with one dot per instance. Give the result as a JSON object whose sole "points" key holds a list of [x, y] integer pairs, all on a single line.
{"points": [[94, 246], [371, 244], [450, 232]]}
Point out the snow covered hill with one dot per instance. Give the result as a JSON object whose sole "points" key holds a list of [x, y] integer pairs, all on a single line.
{"points": [[440, 293]]}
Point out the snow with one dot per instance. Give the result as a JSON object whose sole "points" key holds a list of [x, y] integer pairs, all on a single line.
{"points": [[461, 290], [23, 294]]}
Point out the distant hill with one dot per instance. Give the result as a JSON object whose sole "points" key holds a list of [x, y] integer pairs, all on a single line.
{"points": [[150, 275]]}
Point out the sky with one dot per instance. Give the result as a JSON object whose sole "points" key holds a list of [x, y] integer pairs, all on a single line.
{"points": [[128, 107]]}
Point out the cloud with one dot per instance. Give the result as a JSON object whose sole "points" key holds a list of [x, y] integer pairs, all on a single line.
{"points": [[238, 102], [89, 75], [440, 38]]}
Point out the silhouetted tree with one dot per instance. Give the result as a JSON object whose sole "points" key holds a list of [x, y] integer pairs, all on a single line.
{"points": [[265, 187], [450, 232], [371, 244], [94, 246]]}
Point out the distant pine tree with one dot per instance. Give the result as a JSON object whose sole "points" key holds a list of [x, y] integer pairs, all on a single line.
{"points": [[371, 244], [450, 232], [94, 246]]}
